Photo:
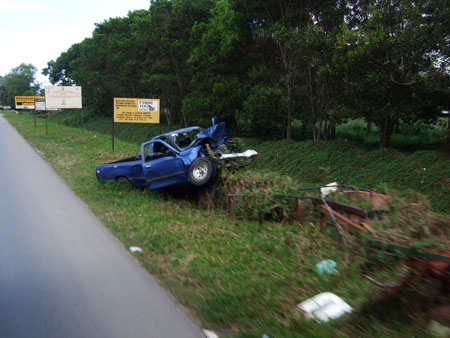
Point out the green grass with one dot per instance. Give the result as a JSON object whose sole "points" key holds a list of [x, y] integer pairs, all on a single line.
{"points": [[418, 136], [239, 277], [425, 171]]}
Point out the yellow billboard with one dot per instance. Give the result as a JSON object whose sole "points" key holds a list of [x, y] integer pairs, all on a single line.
{"points": [[136, 110], [26, 102]]}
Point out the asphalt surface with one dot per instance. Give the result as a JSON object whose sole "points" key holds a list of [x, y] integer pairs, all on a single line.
{"points": [[62, 273]]}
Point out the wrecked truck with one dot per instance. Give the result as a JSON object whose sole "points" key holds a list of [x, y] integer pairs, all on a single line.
{"points": [[179, 156]]}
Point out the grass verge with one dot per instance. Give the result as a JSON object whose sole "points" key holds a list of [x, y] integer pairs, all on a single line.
{"points": [[241, 278]]}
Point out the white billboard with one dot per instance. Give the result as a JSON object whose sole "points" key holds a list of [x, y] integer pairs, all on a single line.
{"points": [[63, 97], [39, 105]]}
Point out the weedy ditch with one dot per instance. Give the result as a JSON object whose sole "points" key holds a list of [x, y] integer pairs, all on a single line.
{"points": [[240, 276], [404, 217]]}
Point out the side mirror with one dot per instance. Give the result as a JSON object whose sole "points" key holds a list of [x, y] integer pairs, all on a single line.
{"points": [[170, 153]]}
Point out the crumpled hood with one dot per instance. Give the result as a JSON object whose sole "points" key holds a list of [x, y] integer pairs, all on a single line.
{"points": [[217, 132]]}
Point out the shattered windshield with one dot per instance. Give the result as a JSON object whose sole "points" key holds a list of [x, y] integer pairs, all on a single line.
{"points": [[184, 140]]}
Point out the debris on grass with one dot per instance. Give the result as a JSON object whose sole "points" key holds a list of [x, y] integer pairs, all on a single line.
{"points": [[327, 266], [435, 329], [209, 334], [412, 223], [134, 249], [324, 307], [328, 189], [404, 218]]}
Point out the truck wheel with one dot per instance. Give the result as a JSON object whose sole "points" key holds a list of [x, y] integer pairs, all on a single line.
{"points": [[123, 180], [202, 171]]}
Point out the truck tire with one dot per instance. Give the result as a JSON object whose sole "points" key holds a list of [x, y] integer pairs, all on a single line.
{"points": [[202, 172], [124, 180]]}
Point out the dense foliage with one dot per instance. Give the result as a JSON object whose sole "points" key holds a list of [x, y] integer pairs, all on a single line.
{"points": [[19, 81], [268, 63]]}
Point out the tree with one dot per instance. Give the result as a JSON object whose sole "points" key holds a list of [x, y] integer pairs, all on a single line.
{"points": [[166, 69], [141, 55], [20, 81], [218, 63], [2, 92], [388, 62]]}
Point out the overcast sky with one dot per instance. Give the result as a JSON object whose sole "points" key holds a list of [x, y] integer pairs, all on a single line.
{"points": [[37, 31]]}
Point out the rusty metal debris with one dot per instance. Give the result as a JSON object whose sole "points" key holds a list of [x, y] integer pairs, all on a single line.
{"points": [[429, 263], [352, 217]]}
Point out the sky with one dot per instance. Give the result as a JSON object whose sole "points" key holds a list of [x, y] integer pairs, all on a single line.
{"points": [[37, 31]]}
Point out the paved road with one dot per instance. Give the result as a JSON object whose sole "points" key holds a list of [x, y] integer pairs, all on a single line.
{"points": [[62, 274]]}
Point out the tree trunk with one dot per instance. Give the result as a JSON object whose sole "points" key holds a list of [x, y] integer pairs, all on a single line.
{"points": [[314, 129], [386, 127], [319, 132], [302, 134], [333, 131], [289, 117], [447, 142], [168, 116], [312, 102], [288, 125]]}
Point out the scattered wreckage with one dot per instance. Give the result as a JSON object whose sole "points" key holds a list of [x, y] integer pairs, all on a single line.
{"points": [[358, 211], [179, 156]]}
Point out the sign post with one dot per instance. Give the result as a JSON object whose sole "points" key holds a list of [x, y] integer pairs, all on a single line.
{"points": [[128, 110], [113, 133], [39, 105]]}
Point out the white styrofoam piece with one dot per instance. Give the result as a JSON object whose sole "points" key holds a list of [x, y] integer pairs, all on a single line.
{"points": [[248, 153], [210, 334], [329, 188], [324, 306]]}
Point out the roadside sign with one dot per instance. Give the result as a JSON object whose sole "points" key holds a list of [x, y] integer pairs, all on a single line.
{"points": [[63, 97], [26, 102], [39, 105], [127, 110]]}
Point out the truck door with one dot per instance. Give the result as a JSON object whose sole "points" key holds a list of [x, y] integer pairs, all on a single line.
{"points": [[162, 165]]}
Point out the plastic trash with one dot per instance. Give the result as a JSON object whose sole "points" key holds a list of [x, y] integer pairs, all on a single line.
{"points": [[329, 188], [436, 329], [247, 154], [210, 334], [327, 266], [324, 307], [135, 249]]}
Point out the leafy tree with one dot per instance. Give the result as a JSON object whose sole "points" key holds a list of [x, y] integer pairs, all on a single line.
{"points": [[218, 61], [388, 63], [141, 55], [266, 63], [20, 81], [169, 46], [2, 92]]}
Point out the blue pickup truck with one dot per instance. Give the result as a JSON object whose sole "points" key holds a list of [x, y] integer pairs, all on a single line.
{"points": [[176, 157]]}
